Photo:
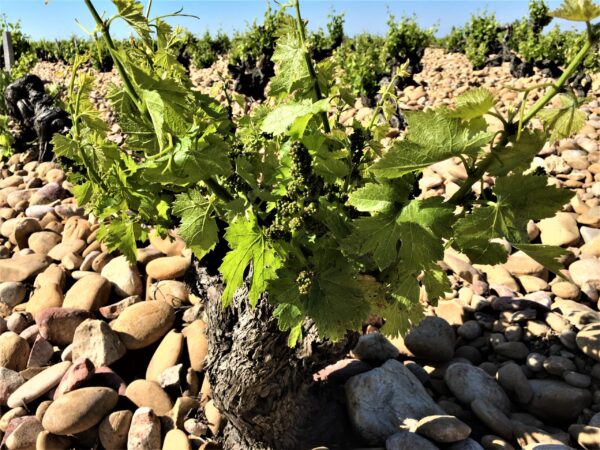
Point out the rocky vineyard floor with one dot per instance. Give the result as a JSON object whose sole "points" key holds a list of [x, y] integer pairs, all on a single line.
{"points": [[98, 353]]}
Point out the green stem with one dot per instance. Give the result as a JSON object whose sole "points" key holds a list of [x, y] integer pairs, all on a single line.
{"points": [[384, 97], [113, 50], [148, 8], [482, 167], [218, 190], [477, 173], [311, 68], [555, 88]]}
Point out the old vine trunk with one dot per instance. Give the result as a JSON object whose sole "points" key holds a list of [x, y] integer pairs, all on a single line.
{"points": [[264, 388]]}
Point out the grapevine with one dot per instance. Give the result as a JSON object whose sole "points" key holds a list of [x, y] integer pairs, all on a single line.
{"points": [[306, 204]]}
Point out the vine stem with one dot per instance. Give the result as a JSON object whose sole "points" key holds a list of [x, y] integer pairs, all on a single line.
{"points": [[554, 89], [218, 190], [113, 50], [310, 65], [211, 183], [384, 97]]}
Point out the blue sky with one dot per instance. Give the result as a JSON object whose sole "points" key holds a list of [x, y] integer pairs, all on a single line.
{"points": [[57, 18]]}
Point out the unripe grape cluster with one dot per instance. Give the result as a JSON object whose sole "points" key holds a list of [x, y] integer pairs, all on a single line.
{"points": [[295, 210], [235, 183], [304, 281]]}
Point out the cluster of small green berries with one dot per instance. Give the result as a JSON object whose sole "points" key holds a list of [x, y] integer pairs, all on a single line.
{"points": [[295, 210], [335, 195], [358, 141], [235, 183], [304, 281], [277, 231]]}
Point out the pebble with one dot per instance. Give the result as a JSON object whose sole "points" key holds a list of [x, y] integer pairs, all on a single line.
{"points": [[557, 365], [168, 267], [12, 293], [579, 380], [48, 296], [166, 355], [176, 439], [43, 241], [493, 418], [113, 310], [468, 383], [14, 351], [560, 230], [380, 400], [58, 325], [173, 292], [22, 268], [566, 289], [586, 436], [142, 324], [80, 371], [197, 343], [38, 385], [584, 271], [145, 431], [123, 276], [79, 410], [214, 418], [514, 382], [470, 330], [588, 340], [114, 428], [149, 393], [24, 435], [512, 350], [555, 400], [405, 440], [96, 341], [432, 339], [9, 382], [443, 429], [49, 441]]}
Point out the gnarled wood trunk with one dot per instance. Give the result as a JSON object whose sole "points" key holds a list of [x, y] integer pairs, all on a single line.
{"points": [[264, 388]]}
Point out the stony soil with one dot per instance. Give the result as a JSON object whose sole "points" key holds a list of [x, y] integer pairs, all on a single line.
{"points": [[95, 351]]}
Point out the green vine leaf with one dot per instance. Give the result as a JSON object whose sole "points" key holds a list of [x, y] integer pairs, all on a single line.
{"points": [[403, 310], [289, 55], [432, 137], [280, 120], [374, 197], [577, 10], [520, 198], [248, 246], [133, 13], [289, 318], [198, 225], [423, 224], [564, 121], [121, 234], [379, 236], [518, 156], [547, 255], [335, 300], [472, 104], [436, 283]]}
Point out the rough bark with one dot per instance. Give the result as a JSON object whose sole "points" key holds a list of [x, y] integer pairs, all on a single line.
{"points": [[264, 388]]}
